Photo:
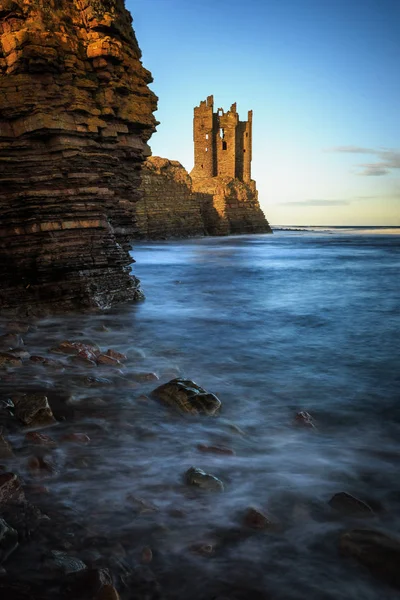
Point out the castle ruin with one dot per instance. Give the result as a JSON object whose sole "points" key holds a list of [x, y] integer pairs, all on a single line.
{"points": [[219, 197], [222, 143]]}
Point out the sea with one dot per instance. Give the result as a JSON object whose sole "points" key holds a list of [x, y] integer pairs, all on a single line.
{"points": [[306, 319]]}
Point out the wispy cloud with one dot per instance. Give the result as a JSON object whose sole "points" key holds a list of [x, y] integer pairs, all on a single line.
{"points": [[388, 160], [320, 202]]}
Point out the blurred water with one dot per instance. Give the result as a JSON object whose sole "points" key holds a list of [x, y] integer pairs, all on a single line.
{"points": [[272, 324]]}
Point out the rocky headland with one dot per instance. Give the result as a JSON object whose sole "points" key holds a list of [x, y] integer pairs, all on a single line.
{"points": [[75, 117], [176, 206]]}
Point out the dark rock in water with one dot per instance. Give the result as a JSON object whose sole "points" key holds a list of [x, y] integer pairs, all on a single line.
{"points": [[87, 583], [47, 362], [18, 327], [5, 447], [108, 592], [8, 360], [143, 585], [304, 419], [39, 439], [203, 480], [96, 381], [8, 540], [24, 517], [117, 355], [187, 397], [11, 340], [255, 519], [376, 551], [216, 450], [109, 361], [350, 505], [11, 491], [33, 410], [64, 563]]}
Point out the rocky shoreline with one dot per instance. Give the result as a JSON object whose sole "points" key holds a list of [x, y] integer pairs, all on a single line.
{"points": [[59, 405]]}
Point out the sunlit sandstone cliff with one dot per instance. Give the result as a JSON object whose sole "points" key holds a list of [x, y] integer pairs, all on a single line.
{"points": [[75, 116]]}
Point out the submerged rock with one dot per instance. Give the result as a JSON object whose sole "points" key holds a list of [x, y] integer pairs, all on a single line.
{"points": [[376, 551], [8, 540], [33, 410], [224, 450], [304, 419], [64, 563], [5, 447], [8, 360], [256, 519], [187, 397], [11, 491], [39, 439], [203, 480], [350, 505]]}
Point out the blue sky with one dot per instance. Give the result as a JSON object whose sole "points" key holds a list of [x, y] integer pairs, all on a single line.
{"points": [[322, 78]]}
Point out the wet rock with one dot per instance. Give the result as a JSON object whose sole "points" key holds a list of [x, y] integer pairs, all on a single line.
{"points": [[376, 551], [47, 362], [33, 410], [39, 439], [304, 419], [87, 583], [8, 540], [256, 519], [5, 447], [117, 355], [143, 584], [146, 555], [107, 592], [64, 563], [187, 397], [203, 549], [104, 359], [350, 505], [198, 478], [143, 506], [18, 327], [76, 438], [20, 353], [96, 381], [145, 377], [84, 359], [24, 517], [41, 467], [11, 491], [11, 340], [216, 449], [8, 360], [89, 351]]}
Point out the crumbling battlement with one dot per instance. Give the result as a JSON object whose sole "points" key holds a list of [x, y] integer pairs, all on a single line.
{"points": [[222, 143]]}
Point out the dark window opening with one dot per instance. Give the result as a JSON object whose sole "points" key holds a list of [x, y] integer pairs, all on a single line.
{"points": [[244, 149], [247, 135], [202, 166], [224, 146]]}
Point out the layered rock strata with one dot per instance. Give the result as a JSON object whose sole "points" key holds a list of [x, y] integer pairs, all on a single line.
{"points": [[169, 207], [174, 205], [75, 117]]}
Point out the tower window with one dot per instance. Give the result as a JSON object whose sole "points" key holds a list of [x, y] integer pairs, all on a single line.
{"points": [[206, 149], [221, 133], [244, 149], [247, 135], [206, 136], [224, 146]]}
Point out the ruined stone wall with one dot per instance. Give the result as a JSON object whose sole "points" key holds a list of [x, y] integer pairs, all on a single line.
{"points": [[75, 116], [169, 207], [175, 206]]}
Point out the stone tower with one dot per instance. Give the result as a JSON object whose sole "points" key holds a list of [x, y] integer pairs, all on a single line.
{"points": [[222, 143]]}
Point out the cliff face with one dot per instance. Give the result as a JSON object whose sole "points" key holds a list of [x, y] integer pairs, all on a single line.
{"points": [[174, 205], [234, 209], [75, 116], [169, 207]]}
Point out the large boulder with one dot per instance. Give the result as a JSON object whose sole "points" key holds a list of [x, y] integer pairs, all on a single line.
{"points": [[187, 397]]}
